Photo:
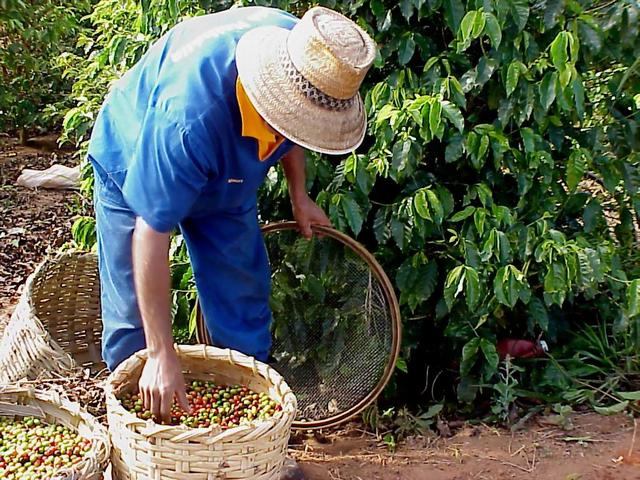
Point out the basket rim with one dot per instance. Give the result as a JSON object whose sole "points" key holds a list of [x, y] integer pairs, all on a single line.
{"points": [[148, 428], [65, 362], [28, 395], [202, 333]]}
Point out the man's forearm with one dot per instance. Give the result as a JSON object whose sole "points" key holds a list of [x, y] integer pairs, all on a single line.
{"points": [[294, 169], [150, 251]]}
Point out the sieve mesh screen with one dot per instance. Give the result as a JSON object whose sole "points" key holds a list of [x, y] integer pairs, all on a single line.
{"points": [[332, 326]]}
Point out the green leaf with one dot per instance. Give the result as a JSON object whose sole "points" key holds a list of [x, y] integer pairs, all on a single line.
{"points": [[385, 113], [578, 95], [528, 138], [377, 8], [381, 226], [519, 11], [435, 206], [428, 281], [430, 63], [558, 48], [453, 13], [552, 13], [353, 213], [538, 313], [472, 288], [116, 49], [564, 77], [503, 247], [400, 155], [507, 284], [479, 159], [631, 396], [457, 93], [469, 355], [401, 364], [466, 26], [454, 149], [406, 7], [465, 33], [435, 113], [484, 194], [633, 298], [454, 284], [612, 409], [397, 232], [576, 166], [407, 48], [513, 75], [463, 214], [547, 89], [479, 219], [421, 205], [590, 35], [488, 249], [433, 411], [478, 25], [490, 354], [416, 280], [493, 29], [453, 114], [591, 214], [500, 284]]}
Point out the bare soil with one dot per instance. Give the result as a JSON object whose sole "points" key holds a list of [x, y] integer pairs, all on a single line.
{"points": [[596, 448], [35, 223]]}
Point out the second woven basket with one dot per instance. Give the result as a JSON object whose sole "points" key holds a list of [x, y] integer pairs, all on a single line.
{"points": [[56, 326]]}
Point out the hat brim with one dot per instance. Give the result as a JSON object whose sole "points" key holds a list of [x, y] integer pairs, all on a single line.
{"points": [[285, 107]]}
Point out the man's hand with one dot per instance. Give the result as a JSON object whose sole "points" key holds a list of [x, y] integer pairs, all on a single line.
{"points": [[161, 382], [307, 213]]}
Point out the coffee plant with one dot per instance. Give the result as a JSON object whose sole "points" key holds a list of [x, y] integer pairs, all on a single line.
{"points": [[32, 34], [498, 184]]}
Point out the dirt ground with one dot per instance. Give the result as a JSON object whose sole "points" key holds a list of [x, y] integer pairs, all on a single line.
{"points": [[33, 223], [596, 448]]}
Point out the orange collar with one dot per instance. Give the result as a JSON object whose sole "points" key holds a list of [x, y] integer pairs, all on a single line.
{"points": [[253, 125]]}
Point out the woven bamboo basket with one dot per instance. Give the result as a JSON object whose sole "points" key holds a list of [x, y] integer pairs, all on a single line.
{"points": [[18, 401], [143, 450], [56, 326]]}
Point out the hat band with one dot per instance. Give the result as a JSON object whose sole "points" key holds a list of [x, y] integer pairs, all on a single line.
{"points": [[310, 91]]}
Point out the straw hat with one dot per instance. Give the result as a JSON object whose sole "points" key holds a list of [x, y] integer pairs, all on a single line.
{"points": [[304, 82]]}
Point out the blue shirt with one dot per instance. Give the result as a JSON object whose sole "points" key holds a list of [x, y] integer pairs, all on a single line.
{"points": [[169, 133]]}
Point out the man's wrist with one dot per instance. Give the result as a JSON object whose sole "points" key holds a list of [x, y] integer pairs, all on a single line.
{"points": [[161, 349], [298, 197]]}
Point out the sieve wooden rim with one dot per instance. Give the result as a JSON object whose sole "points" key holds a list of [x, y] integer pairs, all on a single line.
{"points": [[202, 333]]}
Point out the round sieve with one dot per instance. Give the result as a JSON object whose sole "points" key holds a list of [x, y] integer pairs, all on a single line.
{"points": [[336, 322]]}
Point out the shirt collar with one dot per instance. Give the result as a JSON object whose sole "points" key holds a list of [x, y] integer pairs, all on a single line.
{"points": [[253, 125]]}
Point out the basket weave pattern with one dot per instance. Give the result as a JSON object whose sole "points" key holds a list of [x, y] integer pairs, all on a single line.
{"points": [[17, 401], [146, 450], [56, 325]]}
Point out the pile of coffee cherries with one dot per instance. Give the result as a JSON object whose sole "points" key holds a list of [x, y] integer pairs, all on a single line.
{"points": [[227, 406], [31, 449]]}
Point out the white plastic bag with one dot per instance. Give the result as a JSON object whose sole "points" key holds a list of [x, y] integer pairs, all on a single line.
{"points": [[57, 177]]}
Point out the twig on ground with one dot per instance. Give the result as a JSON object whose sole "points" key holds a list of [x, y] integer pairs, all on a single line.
{"points": [[533, 462], [633, 438], [508, 464]]}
